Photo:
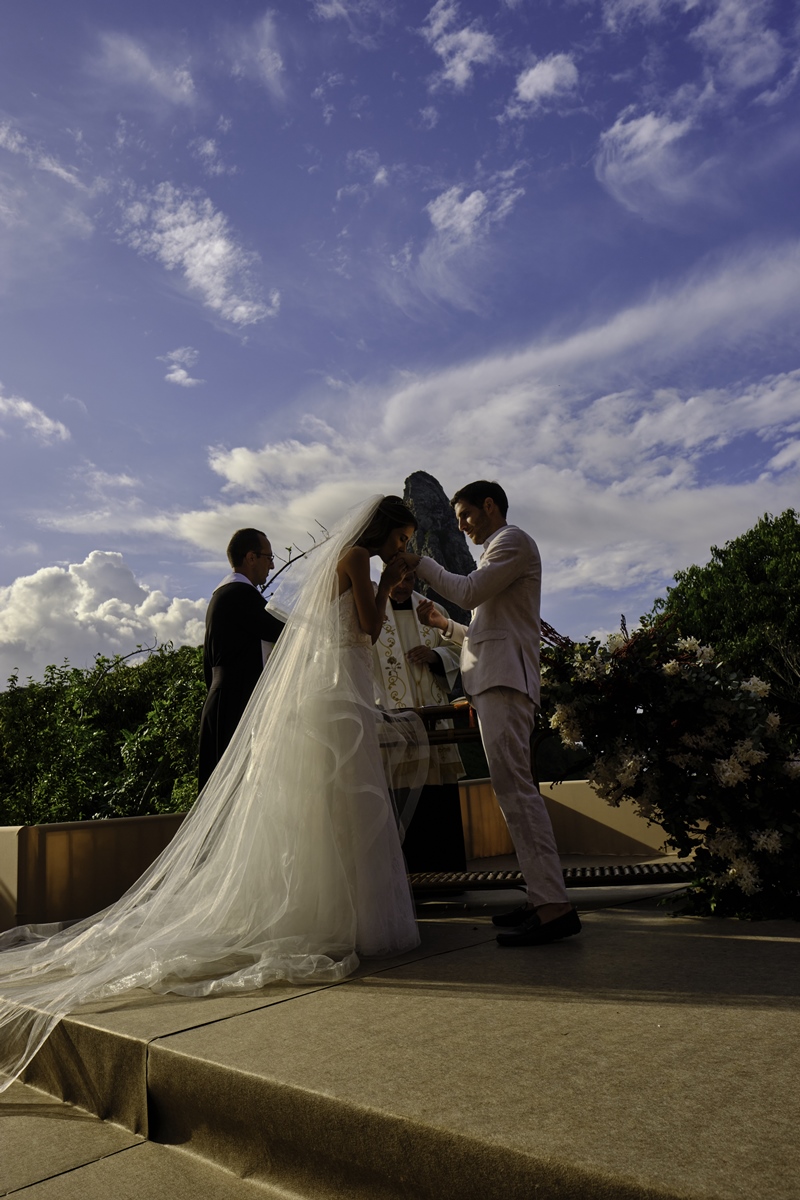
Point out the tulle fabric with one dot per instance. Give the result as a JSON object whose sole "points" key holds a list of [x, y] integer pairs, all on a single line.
{"points": [[289, 865]]}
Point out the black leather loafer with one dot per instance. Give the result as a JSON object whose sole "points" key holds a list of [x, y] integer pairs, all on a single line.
{"points": [[534, 933], [517, 916]]}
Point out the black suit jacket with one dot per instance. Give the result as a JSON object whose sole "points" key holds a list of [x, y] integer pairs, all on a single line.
{"points": [[236, 624]]}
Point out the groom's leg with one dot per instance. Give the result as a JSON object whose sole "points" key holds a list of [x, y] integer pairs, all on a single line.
{"points": [[506, 719]]}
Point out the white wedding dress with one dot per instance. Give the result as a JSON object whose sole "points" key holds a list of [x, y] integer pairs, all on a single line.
{"points": [[288, 867]]}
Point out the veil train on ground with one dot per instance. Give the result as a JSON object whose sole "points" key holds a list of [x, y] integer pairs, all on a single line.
{"points": [[288, 867]]}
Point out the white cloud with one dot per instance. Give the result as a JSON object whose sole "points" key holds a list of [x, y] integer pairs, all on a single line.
{"points": [[87, 608], [547, 84], [99, 482], [37, 158], [453, 257], [375, 175], [183, 231], [456, 218], [787, 458], [276, 466], [207, 152], [617, 14], [255, 55], [639, 162], [463, 221], [182, 377], [124, 61], [33, 420], [368, 163], [329, 81], [782, 88], [744, 51], [180, 361], [429, 117], [364, 18], [687, 149], [460, 49]]}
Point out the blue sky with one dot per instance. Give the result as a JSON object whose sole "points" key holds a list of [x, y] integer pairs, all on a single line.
{"points": [[258, 262]]}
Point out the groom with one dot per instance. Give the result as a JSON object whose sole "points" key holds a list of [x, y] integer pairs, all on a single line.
{"points": [[500, 669]]}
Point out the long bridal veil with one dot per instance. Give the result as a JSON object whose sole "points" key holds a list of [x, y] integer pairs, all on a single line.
{"points": [[288, 865]]}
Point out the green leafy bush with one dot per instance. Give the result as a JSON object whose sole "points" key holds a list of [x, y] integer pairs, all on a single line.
{"points": [[114, 739], [746, 603]]}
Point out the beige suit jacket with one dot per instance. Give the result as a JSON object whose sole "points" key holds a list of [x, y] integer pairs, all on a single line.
{"points": [[500, 646]]}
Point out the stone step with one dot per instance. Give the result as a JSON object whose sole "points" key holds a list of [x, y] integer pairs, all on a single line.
{"points": [[55, 1151], [646, 1058]]}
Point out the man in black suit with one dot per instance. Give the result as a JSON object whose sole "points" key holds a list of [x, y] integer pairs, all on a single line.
{"points": [[240, 634]]}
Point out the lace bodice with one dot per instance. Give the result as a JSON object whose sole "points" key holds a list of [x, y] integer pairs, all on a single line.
{"points": [[350, 631]]}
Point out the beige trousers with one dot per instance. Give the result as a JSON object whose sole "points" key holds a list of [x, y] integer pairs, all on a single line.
{"points": [[506, 720]]}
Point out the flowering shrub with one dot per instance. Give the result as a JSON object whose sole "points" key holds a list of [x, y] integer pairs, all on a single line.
{"points": [[698, 750]]}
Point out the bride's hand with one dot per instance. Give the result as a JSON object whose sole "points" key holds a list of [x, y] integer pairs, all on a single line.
{"points": [[395, 570]]}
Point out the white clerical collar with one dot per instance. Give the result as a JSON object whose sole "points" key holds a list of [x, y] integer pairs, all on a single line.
{"points": [[234, 577]]}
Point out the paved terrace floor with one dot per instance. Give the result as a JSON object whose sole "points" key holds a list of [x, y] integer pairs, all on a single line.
{"points": [[653, 1056]]}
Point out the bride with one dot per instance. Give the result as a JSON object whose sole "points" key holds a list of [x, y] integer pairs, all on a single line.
{"points": [[289, 865]]}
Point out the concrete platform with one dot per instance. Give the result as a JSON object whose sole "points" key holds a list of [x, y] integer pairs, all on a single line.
{"points": [[653, 1056]]}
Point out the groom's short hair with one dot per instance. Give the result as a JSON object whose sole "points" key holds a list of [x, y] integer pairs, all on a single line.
{"points": [[241, 543], [482, 489]]}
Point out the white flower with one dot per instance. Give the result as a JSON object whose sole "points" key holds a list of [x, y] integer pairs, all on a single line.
{"points": [[705, 654], [673, 667], [630, 771], [691, 644], [588, 668], [792, 767], [768, 840], [615, 641], [604, 777], [756, 686], [745, 752], [563, 721], [773, 721], [729, 771], [743, 871], [724, 844]]}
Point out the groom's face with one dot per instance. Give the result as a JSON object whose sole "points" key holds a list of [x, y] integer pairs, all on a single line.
{"points": [[475, 522]]}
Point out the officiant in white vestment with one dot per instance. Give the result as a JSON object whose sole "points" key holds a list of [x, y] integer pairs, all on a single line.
{"points": [[415, 666]]}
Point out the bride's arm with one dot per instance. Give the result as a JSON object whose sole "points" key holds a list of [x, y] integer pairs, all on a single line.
{"points": [[370, 605]]}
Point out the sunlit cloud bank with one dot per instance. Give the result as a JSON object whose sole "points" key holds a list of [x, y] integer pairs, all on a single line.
{"points": [[609, 462], [88, 608]]}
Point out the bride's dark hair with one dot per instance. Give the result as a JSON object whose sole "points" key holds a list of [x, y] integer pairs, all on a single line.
{"points": [[390, 514]]}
